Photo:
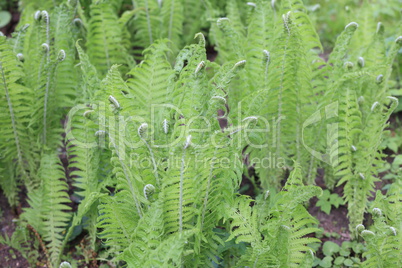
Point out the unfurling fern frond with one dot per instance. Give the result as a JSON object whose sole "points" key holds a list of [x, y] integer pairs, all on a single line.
{"points": [[339, 54], [157, 150], [383, 242], [359, 174], [284, 94], [391, 204], [49, 58], [118, 224], [65, 74]]}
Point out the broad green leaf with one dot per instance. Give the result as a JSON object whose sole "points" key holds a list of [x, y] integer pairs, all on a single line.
{"points": [[326, 262], [330, 248], [5, 18], [339, 260]]}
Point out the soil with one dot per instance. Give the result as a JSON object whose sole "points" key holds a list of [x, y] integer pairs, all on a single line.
{"points": [[9, 257], [15, 17], [336, 222]]}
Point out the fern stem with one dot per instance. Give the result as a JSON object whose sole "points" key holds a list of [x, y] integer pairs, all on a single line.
{"points": [[47, 19], [37, 235], [105, 46], [278, 129], [153, 163], [181, 191], [45, 107], [17, 41], [267, 55], [171, 19], [299, 125], [204, 209]]}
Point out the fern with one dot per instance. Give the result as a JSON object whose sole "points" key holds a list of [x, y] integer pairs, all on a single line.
{"points": [[283, 227], [65, 73], [21, 240], [105, 45], [146, 23], [284, 94], [48, 212], [356, 131], [383, 243], [147, 81], [84, 160], [9, 186], [161, 138], [49, 72], [195, 18], [15, 109], [173, 17]]}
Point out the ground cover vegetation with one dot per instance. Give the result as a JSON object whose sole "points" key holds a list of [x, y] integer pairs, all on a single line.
{"points": [[187, 133]]}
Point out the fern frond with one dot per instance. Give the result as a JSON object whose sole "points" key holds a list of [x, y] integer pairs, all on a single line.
{"points": [[48, 213], [383, 243], [169, 252], [178, 193], [104, 45], [288, 99], [283, 223], [18, 40], [195, 18], [129, 181], [147, 81], [302, 20], [117, 220], [391, 204], [14, 113], [147, 23], [189, 89], [259, 36], [360, 176], [243, 224], [339, 53], [65, 74], [49, 59], [229, 41], [173, 17], [147, 237], [89, 76]]}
